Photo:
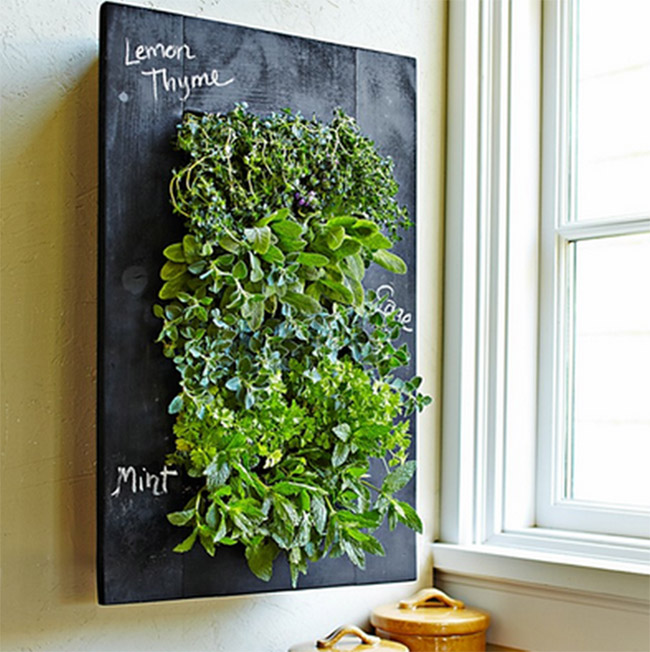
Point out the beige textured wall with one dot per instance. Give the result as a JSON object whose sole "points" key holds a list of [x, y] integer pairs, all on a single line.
{"points": [[48, 62]]}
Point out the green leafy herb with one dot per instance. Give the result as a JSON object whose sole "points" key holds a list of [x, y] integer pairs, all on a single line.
{"points": [[286, 364]]}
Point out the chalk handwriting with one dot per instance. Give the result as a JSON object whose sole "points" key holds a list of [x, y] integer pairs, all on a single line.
{"points": [[128, 477], [159, 50], [386, 293], [164, 81], [183, 84]]}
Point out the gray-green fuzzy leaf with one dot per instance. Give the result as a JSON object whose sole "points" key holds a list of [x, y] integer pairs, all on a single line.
{"points": [[390, 261]]}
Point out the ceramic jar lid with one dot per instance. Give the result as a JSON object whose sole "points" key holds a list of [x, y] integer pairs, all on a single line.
{"points": [[351, 639], [430, 612]]}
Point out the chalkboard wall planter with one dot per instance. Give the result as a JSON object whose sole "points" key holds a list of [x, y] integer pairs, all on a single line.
{"points": [[156, 68]]}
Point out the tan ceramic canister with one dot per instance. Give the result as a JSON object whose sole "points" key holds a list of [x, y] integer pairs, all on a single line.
{"points": [[431, 621], [350, 639]]}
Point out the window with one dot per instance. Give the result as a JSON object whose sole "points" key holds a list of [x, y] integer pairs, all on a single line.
{"points": [[542, 345], [594, 417], [547, 291]]}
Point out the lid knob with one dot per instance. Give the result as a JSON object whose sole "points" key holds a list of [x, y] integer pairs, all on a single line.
{"points": [[431, 598], [346, 630]]}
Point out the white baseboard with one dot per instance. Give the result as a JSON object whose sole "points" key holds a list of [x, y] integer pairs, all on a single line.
{"points": [[563, 610]]}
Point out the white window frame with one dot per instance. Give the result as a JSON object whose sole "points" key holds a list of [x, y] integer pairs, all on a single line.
{"points": [[560, 228], [490, 357]]}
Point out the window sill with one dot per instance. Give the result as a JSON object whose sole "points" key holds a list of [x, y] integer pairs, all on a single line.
{"points": [[597, 580]]}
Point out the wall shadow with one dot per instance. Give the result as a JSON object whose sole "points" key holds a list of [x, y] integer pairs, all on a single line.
{"points": [[78, 122]]}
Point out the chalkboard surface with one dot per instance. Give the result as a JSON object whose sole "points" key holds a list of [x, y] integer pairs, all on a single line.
{"points": [[154, 67]]}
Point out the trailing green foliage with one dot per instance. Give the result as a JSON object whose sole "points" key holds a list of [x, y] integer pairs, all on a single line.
{"points": [[287, 386]]}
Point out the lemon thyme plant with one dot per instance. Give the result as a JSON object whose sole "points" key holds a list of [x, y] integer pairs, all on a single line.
{"points": [[287, 366]]}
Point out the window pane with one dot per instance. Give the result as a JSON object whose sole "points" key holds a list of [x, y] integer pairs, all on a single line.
{"points": [[611, 408], [613, 105]]}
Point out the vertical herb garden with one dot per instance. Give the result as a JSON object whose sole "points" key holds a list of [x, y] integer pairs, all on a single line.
{"points": [[288, 372]]}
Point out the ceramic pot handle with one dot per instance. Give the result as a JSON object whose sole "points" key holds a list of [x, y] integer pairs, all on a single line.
{"points": [[427, 598], [346, 630]]}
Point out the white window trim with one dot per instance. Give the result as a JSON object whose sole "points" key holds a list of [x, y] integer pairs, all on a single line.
{"points": [[491, 316]]}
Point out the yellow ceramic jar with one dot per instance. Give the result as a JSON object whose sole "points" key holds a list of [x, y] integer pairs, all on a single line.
{"points": [[350, 639], [431, 621]]}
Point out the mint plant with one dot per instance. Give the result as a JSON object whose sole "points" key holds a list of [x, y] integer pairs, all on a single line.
{"points": [[286, 363]]}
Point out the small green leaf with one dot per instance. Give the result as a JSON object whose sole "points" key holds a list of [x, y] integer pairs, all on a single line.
{"points": [[313, 291], [304, 530], [176, 405], [294, 571], [340, 453], [312, 260], [310, 273], [234, 384], [211, 516], [240, 271], [197, 267], [253, 313], [334, 273], [217, 472], [289, 245], [228, 243], [191, 249], [353, 267], [187, 544], [290, 488], [225, 260], [357, 471], [342, 431], [273, 255], [355, 553], [357, 292], [260, 238], [364, 228], [399, 478], [250, 477], [319, 513], [260, 559], [342, 220], [369, 543], [221, 531], [372, 432], [271, 304], [302, 302], [282, 534], [206, 537], [257, 274], [390, 261], [287, 229], [370, 520], [286, 511], [181, 518], [407, 515], [305, 501], [335, 291], [335, 237], [171, 289], [377, 241], [281, 214], [171, 270], [348, 247], [174, 253]]}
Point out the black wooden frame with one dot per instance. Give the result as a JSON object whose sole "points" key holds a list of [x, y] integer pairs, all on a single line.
{"points": [[135, 382]]}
